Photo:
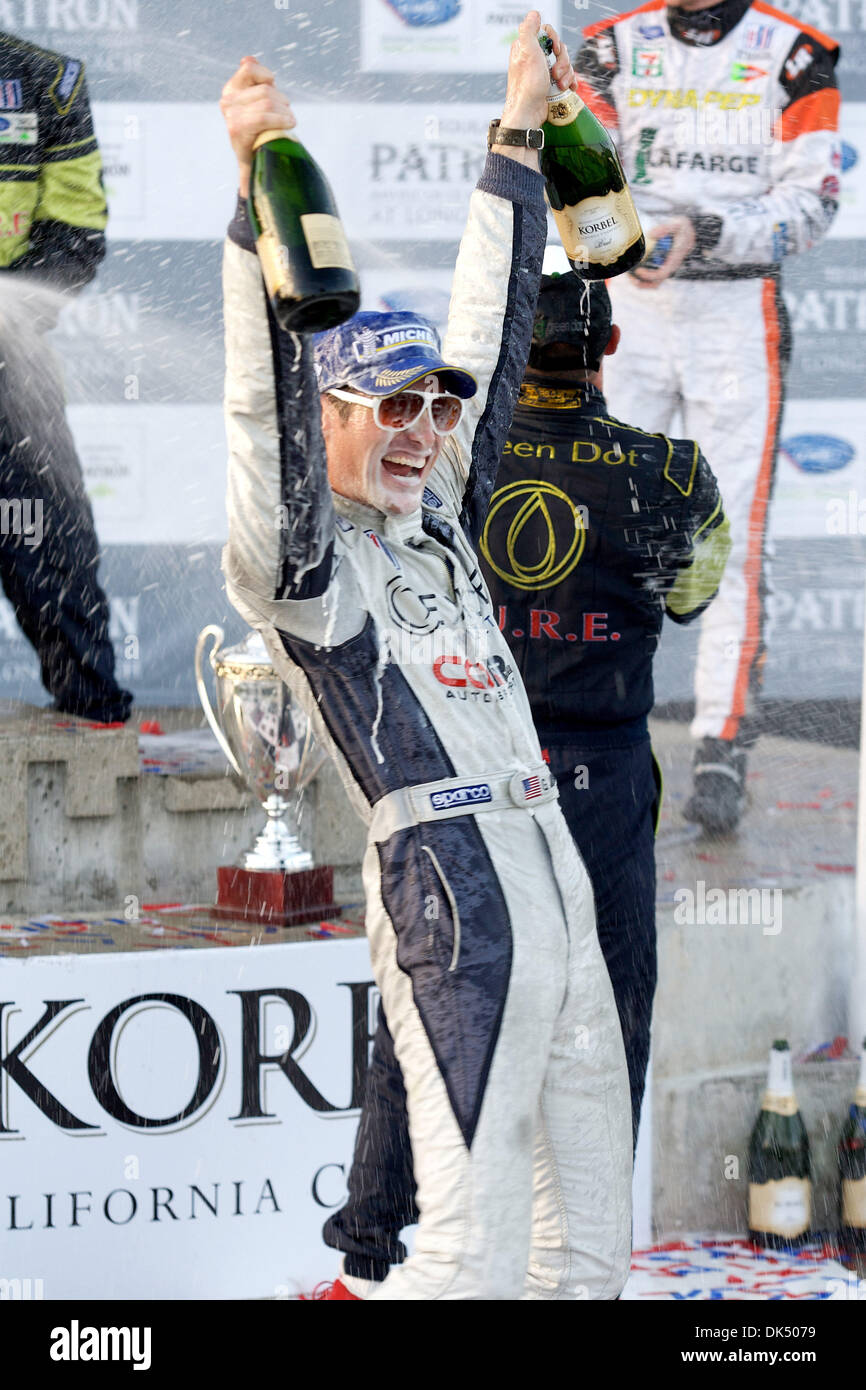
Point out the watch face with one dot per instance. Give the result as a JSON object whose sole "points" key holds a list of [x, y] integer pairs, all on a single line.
{"points": [[535, 139]]}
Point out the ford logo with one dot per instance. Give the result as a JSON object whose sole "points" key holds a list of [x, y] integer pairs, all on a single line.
{"points": [[651, 31], [849, 156], [818, 453]]}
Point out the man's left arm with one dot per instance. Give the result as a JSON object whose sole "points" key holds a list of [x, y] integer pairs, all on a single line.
{"points": [[796, 211], [697, 547], [67, 234], [496, 281], [490, 324]]}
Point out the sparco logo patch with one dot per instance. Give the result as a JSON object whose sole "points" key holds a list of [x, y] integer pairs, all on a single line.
{"points": [[461, 796]]}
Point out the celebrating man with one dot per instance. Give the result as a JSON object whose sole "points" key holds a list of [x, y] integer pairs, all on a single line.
{"points": [[479, 910], [594, 532], [725, 114]]}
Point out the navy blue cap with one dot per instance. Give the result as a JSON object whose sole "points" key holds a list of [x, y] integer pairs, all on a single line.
{"points": [[380, 353]]}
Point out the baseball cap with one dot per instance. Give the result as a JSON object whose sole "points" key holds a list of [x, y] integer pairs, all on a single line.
{"points": [[382, 352], [574, 311]]}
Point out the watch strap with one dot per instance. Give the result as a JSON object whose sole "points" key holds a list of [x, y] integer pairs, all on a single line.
{"points": [[498, 134]]}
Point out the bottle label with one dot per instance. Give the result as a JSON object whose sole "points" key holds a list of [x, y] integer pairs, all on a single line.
{"points": [[854, 1202], [781, 1208], [599, 230], [779, 1105], [274, 260], [563, 107], [326, 241]]}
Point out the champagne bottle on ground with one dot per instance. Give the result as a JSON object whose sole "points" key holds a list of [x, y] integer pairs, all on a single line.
{"points": [[780, 1168], [852, 1168], [307, 266], [586, 188]]}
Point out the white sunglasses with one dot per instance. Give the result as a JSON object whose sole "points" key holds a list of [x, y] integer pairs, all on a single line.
{"points": [[400, 411]]}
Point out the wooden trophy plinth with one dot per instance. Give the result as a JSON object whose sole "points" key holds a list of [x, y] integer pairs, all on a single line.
{"points": [[274, 896]]}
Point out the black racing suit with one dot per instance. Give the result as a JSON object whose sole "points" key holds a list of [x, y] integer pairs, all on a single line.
{"points": [[594, 531], [53, 215]]}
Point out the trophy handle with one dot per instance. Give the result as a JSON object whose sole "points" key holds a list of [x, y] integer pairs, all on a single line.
{"points": [[215, 631]]}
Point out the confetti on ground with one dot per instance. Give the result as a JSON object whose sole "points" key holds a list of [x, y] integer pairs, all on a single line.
{"points": [[729, 1268]]}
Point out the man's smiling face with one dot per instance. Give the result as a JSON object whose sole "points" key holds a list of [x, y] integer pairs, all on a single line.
{"points": [[384, 469]]}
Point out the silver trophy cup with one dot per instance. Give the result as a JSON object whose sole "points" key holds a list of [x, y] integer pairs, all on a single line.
{"points": [[267, 739]]}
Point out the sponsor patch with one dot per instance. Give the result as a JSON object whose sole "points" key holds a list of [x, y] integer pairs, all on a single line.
{"points": [[800, 61], [605, 48], [65, 84], [830, 187], [370, 342], [818, 453], [429, 499], [11, 94], [21, 128], [474, 795], [746, 72], [647, 62], [781, 241], [651, 31], [343, 524]]}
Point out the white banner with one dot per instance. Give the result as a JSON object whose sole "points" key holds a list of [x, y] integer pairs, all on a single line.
{"points": [[181, 1122], [850, 220], [442, 35], [821, 465], [155, 474]]}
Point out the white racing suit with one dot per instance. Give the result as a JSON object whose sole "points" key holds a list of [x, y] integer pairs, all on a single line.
{"points": [[728, 116], [479, 910]]}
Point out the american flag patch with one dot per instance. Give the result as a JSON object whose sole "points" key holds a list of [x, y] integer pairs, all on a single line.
{"points": [[11, 95], [760, 37], [532, 788]]}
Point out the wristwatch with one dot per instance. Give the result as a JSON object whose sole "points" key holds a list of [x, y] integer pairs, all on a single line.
{"points": [[501, 135]]}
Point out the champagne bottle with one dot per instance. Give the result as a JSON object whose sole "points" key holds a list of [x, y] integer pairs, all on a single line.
{"points": [[307, 266], [780, 1169], [852, 1168], [586, 188]]}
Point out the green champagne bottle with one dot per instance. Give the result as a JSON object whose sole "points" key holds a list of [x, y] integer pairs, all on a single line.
{"points": [[852, 1169], [780, 1166], [586, 188], [306, 263]]}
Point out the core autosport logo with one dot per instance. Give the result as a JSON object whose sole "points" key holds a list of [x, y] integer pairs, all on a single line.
{"points": [[534, 534], [466, 678]]}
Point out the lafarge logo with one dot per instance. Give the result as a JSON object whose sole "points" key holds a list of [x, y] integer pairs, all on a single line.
{"points": [[69, 16]]}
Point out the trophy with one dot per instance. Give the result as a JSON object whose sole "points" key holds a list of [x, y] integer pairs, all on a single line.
{"points": [[269, 743]]}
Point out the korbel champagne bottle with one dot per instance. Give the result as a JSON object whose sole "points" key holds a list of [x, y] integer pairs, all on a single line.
{"points": [[586, 188], [306, 262], [780, 1169], [852, 1168]]}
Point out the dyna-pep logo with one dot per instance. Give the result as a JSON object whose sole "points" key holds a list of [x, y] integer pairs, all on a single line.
{"points": [[818, 453], [461, 796]]}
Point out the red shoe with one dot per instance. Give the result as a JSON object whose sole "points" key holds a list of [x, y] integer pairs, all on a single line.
{"points": [[336, 1292]]}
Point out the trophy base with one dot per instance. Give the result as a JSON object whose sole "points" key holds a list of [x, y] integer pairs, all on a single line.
{"points": [[273, 896]]}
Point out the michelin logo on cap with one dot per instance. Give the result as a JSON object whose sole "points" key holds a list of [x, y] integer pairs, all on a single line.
{"points": [[369, 343], [461, 796]]}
